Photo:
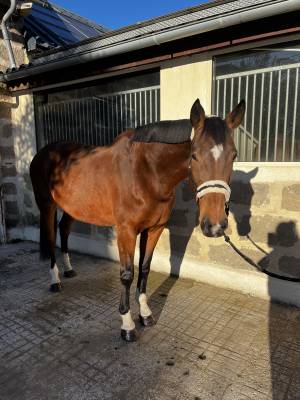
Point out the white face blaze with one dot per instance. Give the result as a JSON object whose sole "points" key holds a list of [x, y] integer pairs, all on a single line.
{"points": [[54, 273], [217, 151], [192, 134], [127, 322]]}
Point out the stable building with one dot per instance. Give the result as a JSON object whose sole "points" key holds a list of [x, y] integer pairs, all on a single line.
{"points": [[82, 82]]}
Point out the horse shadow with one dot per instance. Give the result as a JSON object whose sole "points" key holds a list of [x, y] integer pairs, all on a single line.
{"points": [[286, 246], [185, 218], [283, 321], [241, 200]]}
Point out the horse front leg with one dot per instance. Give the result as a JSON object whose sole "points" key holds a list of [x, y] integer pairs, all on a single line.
{"points": [[126, 244], [148, 241]]}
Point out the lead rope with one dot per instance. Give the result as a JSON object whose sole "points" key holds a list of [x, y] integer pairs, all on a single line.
{"points": [[254, 264]]}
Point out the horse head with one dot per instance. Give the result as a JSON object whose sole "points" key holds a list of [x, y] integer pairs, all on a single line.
{"points": [[212, 155]]}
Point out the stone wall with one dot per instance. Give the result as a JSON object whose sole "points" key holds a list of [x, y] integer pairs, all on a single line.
{"points": [[10, 177], [17, 147], [264, 216], [8, 173]]}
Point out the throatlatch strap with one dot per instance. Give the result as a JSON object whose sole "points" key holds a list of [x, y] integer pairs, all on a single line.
{"points": [[214, 187]]}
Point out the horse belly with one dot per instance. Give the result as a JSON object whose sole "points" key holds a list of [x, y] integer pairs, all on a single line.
{"points": [[85, 203]]}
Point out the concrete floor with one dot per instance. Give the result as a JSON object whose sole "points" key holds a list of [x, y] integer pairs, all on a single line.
{"points": [[208, 343]]}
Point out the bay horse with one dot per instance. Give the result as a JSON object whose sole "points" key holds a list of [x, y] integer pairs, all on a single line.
{"points": [[131, 185]]}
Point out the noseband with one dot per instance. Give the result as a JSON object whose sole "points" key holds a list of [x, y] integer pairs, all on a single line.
{"points": [[214, 187]]}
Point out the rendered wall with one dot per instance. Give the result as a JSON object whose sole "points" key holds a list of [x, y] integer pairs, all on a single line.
{"points": [[181, 84]]}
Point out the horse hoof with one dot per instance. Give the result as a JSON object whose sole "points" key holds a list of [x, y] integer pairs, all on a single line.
{"points": [[129, 336], [70, 274], [55, 287], [147, 321]]}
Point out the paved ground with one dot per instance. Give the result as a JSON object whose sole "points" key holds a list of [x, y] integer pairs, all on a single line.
{"points": [[208, 343]]}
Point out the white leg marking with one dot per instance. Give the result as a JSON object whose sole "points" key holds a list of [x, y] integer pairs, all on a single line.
{"points": [[144, 308], [127, 322], [67, 263], [217, 151], [54, 273]]}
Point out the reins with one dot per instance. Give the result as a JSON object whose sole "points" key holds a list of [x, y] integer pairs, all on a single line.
{"points": [[254, 264]]}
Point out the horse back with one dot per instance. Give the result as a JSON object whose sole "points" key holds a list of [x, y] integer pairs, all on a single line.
{"points": [[82, 180]]}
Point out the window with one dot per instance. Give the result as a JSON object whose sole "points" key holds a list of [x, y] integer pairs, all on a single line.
{"points": [[95, 115], [268, 79]]}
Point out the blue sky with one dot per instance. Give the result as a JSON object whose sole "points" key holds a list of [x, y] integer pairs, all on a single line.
{"points": [[117, 13]]}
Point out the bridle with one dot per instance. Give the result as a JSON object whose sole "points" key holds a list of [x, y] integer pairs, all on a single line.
{"points": [[212, 186]]}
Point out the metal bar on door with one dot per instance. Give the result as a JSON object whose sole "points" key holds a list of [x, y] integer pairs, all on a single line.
{"points": [[253, 115], [277, 115], [269, 116], [286, 114], [261, 114], [295, 113]]}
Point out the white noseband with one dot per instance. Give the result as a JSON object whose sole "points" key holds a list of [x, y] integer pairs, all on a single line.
{"points": [[214, 187]]}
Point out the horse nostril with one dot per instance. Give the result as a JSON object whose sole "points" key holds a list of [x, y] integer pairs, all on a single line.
{"points": [[206, 226], [224, 224]]}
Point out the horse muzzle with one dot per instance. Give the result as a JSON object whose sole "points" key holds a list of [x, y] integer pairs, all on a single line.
{"points": [[214, 230]]}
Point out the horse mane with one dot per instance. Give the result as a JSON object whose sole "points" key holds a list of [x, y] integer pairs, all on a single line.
{"points": [[171, 132]]}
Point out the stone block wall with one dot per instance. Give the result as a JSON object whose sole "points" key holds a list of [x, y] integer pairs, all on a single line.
{"points": [[8, 172], [10, 177], [264, 216], [17, 147]]}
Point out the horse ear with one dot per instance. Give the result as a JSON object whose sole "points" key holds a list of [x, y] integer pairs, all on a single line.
{"points": [[251, 174], [197, 115], [235, 117]]}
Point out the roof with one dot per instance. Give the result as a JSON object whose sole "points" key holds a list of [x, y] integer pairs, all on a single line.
{"points": [[185, 23], [207, 11], [49, 26]]}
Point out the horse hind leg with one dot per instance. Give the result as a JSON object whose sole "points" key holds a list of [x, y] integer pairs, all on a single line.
{"points": [[48, 225], [64, 229]]}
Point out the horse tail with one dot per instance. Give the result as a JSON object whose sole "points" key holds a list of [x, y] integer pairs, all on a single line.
{"points": [[46, 220]]}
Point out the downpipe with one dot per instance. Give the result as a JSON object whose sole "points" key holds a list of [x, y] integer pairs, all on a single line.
{"points": [[5, 34], [3, 236]]}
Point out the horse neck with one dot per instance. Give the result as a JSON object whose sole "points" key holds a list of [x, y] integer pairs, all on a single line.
{"points": [[172, 162]]}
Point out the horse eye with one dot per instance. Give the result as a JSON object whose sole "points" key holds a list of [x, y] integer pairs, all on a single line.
{"points": [[194, 157]]}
